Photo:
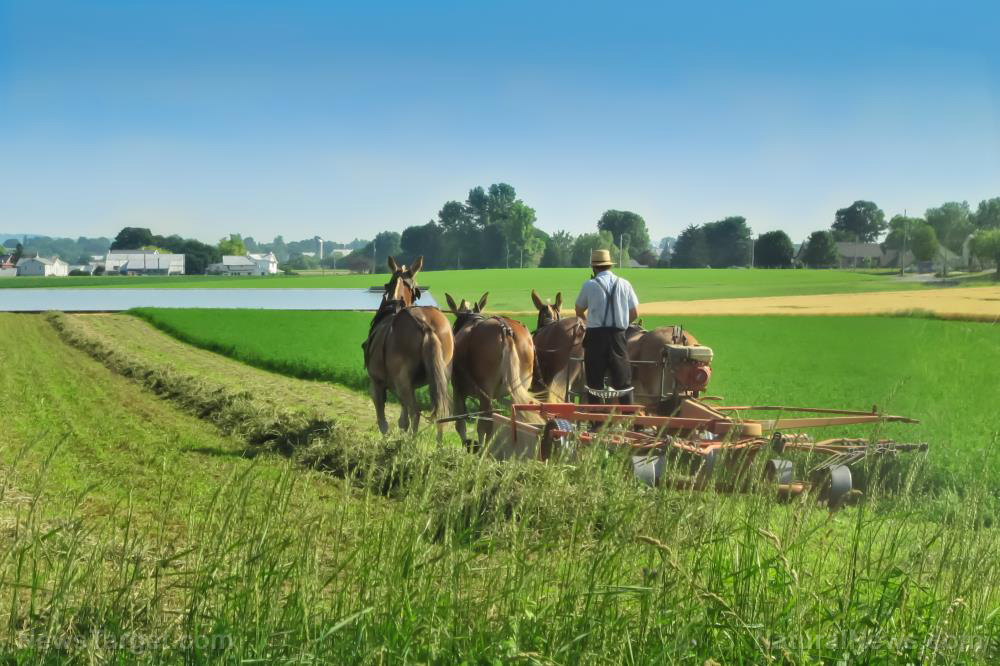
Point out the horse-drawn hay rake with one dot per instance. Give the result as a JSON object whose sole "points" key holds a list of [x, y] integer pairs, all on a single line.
{"points": [[677, 439], [704, 446]]}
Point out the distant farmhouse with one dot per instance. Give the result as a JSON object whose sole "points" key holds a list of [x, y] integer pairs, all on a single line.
{"points": [[42, 267], [859, 255], [143, 262], [250, 264]]}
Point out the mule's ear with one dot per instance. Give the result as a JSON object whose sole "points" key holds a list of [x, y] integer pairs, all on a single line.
{"points": [[558, 303], [393, 266], [451, 303], [537, 301], [417, 264], [481, 305]]}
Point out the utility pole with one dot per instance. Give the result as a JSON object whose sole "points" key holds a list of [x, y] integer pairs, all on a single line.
{"points": [[906, 236], [374, 260]]}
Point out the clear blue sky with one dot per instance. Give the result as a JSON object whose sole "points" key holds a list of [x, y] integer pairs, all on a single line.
{"points": [[305, 118]]}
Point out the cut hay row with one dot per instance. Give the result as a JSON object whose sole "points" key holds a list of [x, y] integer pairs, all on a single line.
{"points": [[341, 447]]}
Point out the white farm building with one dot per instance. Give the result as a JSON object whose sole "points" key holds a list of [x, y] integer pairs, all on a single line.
{"points": [[42, 267], [266, 263], [143, 262], [250, 264]]}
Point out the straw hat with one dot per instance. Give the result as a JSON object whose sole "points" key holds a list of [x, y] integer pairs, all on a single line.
{"points": [[600, 258]]}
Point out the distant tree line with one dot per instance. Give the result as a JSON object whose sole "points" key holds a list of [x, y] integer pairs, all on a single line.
{"points": [[493, 228], [950, 226], [72, 251]]}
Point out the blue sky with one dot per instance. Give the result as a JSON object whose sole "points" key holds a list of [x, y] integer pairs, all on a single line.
{"points": [[338, 119]]}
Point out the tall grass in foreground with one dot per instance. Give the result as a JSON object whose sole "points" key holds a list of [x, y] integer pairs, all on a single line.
{"points": [[426, 554]]}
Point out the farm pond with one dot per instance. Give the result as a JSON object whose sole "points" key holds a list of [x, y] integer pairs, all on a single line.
{"points": [[117, 300]]}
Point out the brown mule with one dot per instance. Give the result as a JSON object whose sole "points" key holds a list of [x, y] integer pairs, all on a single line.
{"points": [[556, 340], [494, 357], [407, 346]]}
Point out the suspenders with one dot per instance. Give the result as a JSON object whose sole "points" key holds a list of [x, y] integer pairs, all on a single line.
{"points": [[609, 302]]}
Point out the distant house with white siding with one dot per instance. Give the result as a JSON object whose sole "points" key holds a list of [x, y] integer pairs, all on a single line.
{"points": [[267, 264], [42, 267], [234, 265], [143, 262]]}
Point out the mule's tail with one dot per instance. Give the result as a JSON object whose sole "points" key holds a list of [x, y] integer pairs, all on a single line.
{"points": [[517, 386], [437, 374]]}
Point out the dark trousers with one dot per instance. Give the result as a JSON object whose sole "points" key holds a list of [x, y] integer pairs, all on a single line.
{"points": [[604, 353]]}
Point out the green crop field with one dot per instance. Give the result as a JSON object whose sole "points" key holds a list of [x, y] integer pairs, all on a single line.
{"points": [[510, 289], [937, 371], [137, 532]]}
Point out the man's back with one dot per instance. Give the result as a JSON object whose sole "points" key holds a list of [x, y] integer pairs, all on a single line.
{"points": [[594, 297]]}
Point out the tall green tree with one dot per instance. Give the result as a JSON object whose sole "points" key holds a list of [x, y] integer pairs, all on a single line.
{"points": [[923, 242], [820, 250], [518, 226], [900, 228], [862, 221], [773, 249], [986, 245], [987, 215], [132, 238], [558, 250], [728, 242], [691, 249], [478, 206], [952, 223], [385, 243], [427, 241], [500, 200], [232, 246], [584, 244], [625, 222]]}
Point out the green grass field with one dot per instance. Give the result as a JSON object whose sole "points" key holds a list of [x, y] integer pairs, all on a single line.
{"points": [[134, 532], [938, 371], [510, 289]]}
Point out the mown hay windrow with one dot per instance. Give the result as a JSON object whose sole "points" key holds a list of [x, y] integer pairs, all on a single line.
{"points": [[462, 492]]}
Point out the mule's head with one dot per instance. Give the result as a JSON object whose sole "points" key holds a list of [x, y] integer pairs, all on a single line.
{"points": [[402, 286], [547, 313], [464, 313]]}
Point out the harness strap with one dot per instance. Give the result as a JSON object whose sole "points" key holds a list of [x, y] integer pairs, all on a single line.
{"points": [[609, 302]]}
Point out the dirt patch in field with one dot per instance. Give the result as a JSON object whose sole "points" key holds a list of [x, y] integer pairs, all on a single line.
{"points": [[976, 303]]}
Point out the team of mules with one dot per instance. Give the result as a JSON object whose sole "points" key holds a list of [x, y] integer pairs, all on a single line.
{"points": [[487, 358]]}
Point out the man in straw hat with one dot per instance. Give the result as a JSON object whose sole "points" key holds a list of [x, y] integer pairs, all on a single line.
{"points": [[609, 305]]}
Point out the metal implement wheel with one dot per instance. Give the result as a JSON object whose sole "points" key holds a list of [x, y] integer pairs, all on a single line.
{"points": [[551, 444], [649, 468], [779, 471], [835, 486]]}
